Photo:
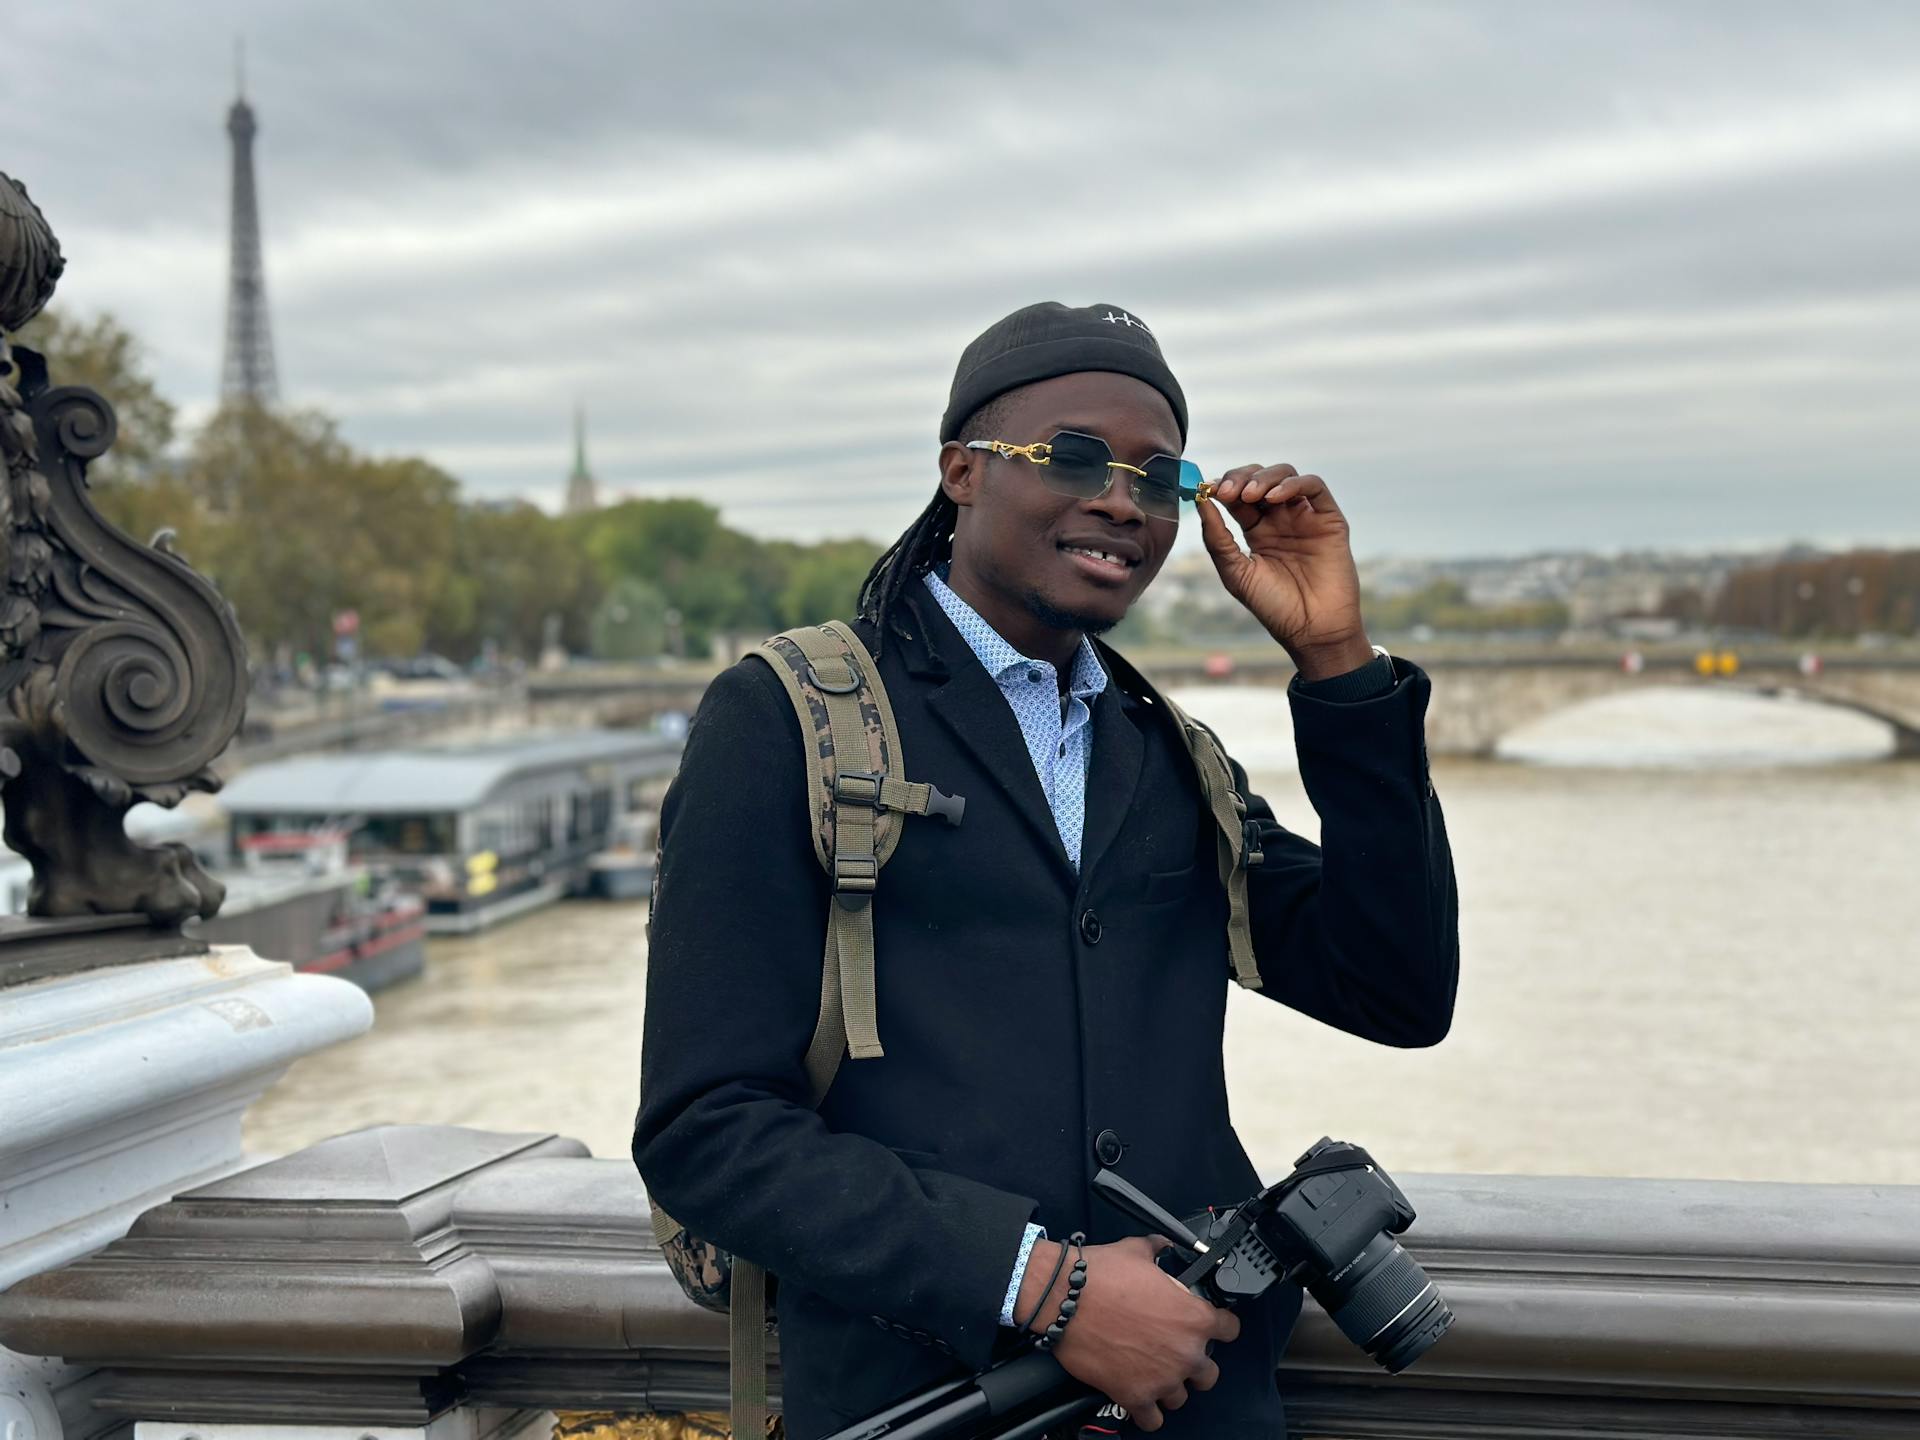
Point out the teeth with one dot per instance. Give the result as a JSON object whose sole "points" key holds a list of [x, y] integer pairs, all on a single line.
{"points": [[1096, 554]]}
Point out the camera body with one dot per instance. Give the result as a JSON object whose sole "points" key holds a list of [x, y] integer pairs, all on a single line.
{"points": [[1328, 1226]]}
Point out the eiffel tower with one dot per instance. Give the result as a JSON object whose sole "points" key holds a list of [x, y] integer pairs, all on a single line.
{"points": [[248, 373]]}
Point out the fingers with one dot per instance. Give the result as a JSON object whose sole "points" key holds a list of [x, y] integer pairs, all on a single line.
{"points": [[1270, 485], [1205, 1378], [1248, 483], [1226, 1325], [1145, 1417], [1216, 536]]}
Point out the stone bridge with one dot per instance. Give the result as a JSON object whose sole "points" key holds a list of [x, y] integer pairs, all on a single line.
{"points": [[1477, 699]]}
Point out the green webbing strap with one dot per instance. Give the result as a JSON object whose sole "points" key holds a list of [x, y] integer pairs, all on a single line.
{"points": [[855, 866], [1230, 840], [863, 786], [747, 1344], [665, 1227]]}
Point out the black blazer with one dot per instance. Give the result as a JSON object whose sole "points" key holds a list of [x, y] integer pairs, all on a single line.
{"points": [[1027, 1012]]}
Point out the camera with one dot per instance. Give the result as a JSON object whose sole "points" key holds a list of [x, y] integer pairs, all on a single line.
{"points": [[1330, 1227]]}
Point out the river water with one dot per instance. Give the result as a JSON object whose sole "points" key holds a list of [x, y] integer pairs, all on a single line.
{"points": [[1690, 932]]}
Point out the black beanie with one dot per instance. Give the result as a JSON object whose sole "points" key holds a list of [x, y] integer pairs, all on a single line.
{"points": [[1051, 339]]}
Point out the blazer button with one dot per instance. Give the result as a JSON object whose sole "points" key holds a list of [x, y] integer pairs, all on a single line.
{"points": [[1108, 1148], [1090, 930]]}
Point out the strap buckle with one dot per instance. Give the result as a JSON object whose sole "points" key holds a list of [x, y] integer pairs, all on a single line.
{"points": [[949, 808], [855, 878], [864, 787], [1251, 855], [859, 787]]}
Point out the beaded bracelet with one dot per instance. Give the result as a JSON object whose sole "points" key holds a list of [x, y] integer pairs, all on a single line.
{"points": [[1045, 1290], [1076, 1282]]}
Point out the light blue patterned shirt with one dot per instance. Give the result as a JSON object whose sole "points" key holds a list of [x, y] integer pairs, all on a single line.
{"points": [[1060, 746]]}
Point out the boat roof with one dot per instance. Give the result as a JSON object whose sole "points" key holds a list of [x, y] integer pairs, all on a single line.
{"points": [[430, 779]]}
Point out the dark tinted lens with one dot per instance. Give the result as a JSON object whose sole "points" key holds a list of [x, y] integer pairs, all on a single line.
{"points": [[1078, 465], [1385, 1304], [1158, 491]]}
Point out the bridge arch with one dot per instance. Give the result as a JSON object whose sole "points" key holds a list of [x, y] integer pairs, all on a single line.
{"points": [[1477, 707], [1672, 722], [1477, 700]]}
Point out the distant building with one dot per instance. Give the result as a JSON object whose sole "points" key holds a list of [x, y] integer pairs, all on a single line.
{"points": [[581, 496]]}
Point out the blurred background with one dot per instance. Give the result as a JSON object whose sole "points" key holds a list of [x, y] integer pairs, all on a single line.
{"points": [[473, 354]]}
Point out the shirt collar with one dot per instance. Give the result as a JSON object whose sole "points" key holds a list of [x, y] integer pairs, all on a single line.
{"points": [[1086, 679]]}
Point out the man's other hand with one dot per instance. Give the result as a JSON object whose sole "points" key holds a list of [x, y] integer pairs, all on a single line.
{"points": [[1297, 575], [1138, 1337]]}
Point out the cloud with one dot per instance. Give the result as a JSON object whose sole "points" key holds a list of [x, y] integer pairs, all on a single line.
{"points": [[1510, 275]]}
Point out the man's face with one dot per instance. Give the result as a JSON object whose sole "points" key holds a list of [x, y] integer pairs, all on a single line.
{"points": [[1019, 540]]}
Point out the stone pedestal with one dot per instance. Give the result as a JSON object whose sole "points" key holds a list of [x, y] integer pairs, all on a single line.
{"points": [[122, 1084], [468, 1422]]}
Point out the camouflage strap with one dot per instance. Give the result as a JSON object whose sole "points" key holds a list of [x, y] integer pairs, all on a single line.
{"points": [[1234, 840], [747, 1346], [853, 769], [852, 782]]}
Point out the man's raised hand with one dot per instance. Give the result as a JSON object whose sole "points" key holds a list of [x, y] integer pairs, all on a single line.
{"points": [[1297, 575]]}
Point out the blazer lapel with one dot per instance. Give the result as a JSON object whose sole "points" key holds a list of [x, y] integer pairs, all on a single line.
{"points": [[1113, 774]]}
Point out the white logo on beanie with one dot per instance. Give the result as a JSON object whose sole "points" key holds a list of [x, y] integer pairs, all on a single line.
{"points": [[1125, 319]]}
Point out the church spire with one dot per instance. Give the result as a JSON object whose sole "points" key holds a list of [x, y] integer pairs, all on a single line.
{"points": [[580, 488]]}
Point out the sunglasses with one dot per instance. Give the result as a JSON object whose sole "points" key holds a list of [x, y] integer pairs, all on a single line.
{"points": [[1083, 466]]}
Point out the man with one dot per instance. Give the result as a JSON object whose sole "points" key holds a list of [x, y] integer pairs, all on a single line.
{"points": [[1052, 973]]}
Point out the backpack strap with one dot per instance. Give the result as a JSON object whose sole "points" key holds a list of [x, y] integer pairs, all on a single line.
{"points": [[747, 1351], [1236, 840], [853, 779], [1235, 844], [853, 772]]}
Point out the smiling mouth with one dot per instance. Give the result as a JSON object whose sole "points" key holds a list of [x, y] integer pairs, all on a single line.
{"points": [[1104, 559]]}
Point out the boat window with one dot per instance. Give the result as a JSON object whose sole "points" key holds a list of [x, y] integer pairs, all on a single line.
{"points": [[407, 835]]}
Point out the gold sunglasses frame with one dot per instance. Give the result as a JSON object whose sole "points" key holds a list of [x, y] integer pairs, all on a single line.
{"points": [[1040, 452]]}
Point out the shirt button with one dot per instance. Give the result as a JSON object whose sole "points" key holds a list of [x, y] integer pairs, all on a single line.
{"points": [[1063, 747], [1090, 927], [1035, 676], [1108, 1148]]}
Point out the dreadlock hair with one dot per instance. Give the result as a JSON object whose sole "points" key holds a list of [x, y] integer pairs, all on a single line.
{"points": [[926, 542]]}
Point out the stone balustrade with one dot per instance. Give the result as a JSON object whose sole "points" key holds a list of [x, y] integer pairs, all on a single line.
{"points": [[430, 1281]]}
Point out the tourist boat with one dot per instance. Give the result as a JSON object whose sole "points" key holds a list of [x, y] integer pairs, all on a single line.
{"points": [[624, 870], [483, 830], [294, 897], [297, 897]]}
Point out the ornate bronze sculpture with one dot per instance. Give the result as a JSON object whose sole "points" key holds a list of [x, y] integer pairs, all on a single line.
{"points": [[122, 672]]}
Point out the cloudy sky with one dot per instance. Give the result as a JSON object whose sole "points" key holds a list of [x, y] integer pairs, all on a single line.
{"points": [[1510, 275]]}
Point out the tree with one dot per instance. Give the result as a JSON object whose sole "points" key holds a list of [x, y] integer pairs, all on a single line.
{"points": [[823, 582], [513, 565], [718, 579], [631, 621], [300, 527]]}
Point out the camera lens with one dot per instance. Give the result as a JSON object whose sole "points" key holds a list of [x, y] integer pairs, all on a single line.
{"points": [[1384, 1303]]}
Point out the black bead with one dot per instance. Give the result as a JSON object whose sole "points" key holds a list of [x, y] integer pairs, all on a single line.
{"points": [[1069, 1306]]}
